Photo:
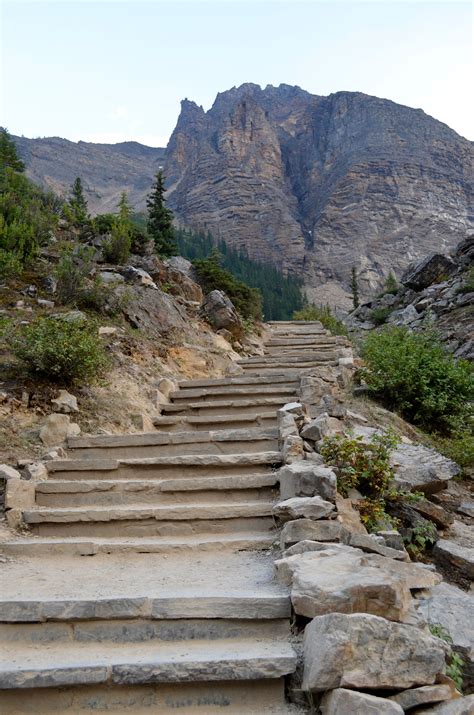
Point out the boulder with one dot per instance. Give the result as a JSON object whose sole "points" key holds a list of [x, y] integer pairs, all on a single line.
{"points": [[138, 276], [348, 516], [294, 408], [306, 479], [345, 702], [404, 316], [435, 268], [425, 695], [292, 449], [65, 402], [460, 706], [368, 652], [309, 532], [35, 472], [182, 265], [419, 468], [286, 425], [8, 472], [56, 429], [343, 579], [19, 494], [154, 312], [302, 507], [455, 557], [219, 311], [166, 386], [318, 428], [370, 544]]}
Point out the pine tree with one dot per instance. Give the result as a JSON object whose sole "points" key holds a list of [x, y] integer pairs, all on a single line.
{"points": [[354, 288], [78, 212], [125, 210], [391, 284], [160, 219], [8, 153]]}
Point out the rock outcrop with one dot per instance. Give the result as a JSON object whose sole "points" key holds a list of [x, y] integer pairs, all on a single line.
{"points": [[320, 184]]}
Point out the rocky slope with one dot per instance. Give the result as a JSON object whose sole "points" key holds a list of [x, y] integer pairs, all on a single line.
{"points": [[320, 184], [105, 169], [438, 291]]}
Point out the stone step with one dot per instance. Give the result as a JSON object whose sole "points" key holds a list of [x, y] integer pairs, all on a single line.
{"points": [[268, 369], [144, 520], [88, 663], [181, 466], [156, 444], [303, 341], [232, 392], [182, 423], [244, 697], [275, 324], [252, 406], [239, 380], [56, 493], [280, 358], [38, 546]]}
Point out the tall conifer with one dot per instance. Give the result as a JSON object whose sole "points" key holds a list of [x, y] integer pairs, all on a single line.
{"points": [[160, 219]]}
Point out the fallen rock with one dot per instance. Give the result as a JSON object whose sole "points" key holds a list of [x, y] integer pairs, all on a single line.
{"points": [[166, 386], [435, 268], [219, 311], [138, 276], [35, 472], [56, 429], [294, 408], [392, 538], [366, 651], [419, 468], [65, 403], [348, 516], [306, 479], [292, 449], [307, 531], [302, 507], [433, 512], [461, 706], [368, 543], [318, 428], [8, 472], [345, 702], [454, 556], [341, 579], [425, 695]]}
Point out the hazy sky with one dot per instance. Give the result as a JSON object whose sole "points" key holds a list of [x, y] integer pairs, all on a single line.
{"points": [[113, 71]]}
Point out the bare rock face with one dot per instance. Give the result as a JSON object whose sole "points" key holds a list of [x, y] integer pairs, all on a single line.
{"points": [[435, 268], [368, 652], [319, 184]]}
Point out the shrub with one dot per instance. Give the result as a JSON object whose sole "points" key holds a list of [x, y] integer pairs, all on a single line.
{"points": [[60, 350], [378, 316], [103, 223], [412, 373], [459, 447], [72, 272], [324, 315], [116, 248], [211, 276], [10, 264], [455, 663], [363, 466], [468, 282]]}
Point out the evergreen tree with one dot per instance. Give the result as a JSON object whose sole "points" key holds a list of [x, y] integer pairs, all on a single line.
{"points": [[391, 284], [77, 212], [8, 153], [125, 210], [354, 288], [160, 219]]}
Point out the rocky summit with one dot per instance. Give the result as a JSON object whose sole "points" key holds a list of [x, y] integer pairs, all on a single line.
{"points": [[320, 184]]}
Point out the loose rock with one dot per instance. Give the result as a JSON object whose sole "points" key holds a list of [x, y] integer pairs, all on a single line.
{"points": [[342, 702], [302, 507], [306, 479]]}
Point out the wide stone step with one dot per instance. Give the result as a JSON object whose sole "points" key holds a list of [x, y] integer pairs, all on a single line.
{"points": [[183, 466], [44, 546], [219, 406], [276, 360], [232, 392], [239, 380], [238, 697], [181, 423], [178, 491], [58, 665], [156, 444], [304, 341]]}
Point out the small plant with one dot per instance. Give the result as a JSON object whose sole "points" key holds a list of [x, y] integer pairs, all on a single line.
{"points": [[391, 284], [468, 282], [459, 447], [413, 373], [420, 538], [116, 248], [324, 315], [455, 664], [363, 466], [60, 350], [71, 273], [379, 316]]}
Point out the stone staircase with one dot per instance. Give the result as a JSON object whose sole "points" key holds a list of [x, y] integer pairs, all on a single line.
{"points": [[171, 614]]}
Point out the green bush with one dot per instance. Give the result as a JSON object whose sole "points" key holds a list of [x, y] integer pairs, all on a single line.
{"points": [[324, 315], [459, 447], [60, 350], [455, 664], [211, 276], [10, 264], [365, 467], [72, 272], [413, 374], [468, 282], [378, 316], [116, 248]]}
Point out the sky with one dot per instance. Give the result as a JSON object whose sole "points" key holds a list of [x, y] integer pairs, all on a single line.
{"points": [[116, 70]]}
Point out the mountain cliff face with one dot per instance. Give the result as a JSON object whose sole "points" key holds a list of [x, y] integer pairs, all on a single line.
{"points": [[105, 169], [320, 184]]}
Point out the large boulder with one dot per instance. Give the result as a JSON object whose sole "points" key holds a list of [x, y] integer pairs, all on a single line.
{"points": [[56, 429], [368, 652], [306, 479], [435, 268], [342, 702], [219, 311], [343, 579], [419, 468], [302, 507], [154, 312]]}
